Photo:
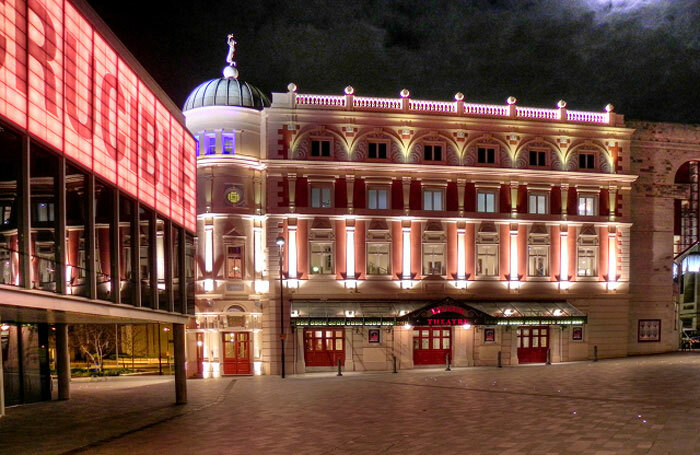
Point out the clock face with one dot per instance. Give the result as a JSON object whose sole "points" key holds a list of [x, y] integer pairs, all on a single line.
{"points": [[234, 195]]}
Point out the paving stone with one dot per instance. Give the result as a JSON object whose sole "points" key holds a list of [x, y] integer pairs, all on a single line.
{"points": [[627, 406]]}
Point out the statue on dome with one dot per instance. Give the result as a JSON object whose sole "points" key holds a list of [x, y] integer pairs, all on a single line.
{"points": [[230, 72]]}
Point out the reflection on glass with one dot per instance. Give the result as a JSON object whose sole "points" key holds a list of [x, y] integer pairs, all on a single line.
{"points": [[126, 277], [145, 262], [10, 149], [76, 241], [162, 253], [104, 209], [43, 179]]}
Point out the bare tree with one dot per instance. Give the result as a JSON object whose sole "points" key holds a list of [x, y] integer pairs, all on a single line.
{"points": [[95, 342]]}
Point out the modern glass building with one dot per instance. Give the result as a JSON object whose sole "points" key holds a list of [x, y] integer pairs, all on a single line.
{"points": [[97, 193]]}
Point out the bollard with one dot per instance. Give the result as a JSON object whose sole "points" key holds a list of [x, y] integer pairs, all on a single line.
{"points": [[549, 356], [447, 361], [500, 364], [595, 353], [395, 371], [339, 371]]}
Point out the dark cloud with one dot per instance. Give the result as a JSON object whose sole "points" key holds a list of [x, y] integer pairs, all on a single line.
{"points": [[641, 55]]}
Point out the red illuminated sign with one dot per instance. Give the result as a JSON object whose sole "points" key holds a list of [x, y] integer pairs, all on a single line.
{"points": [[63, 83]]}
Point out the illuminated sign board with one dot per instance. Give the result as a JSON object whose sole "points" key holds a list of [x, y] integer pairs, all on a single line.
{"points": [[63, 83]]}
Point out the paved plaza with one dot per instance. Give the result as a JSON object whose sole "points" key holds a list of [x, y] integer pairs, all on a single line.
{"points": [[644, 405]]}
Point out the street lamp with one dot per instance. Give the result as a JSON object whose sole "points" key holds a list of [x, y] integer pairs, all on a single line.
{"points": [[280, 243]]}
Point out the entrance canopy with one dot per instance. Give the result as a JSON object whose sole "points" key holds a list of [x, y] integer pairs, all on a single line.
{"points": [[442, 312]]}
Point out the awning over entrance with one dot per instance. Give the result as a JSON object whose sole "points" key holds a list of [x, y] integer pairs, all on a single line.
{"points": [[445, 311]]}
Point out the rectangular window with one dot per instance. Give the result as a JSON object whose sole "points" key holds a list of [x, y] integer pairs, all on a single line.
{"points": [[487, 260], [321, 258], [234, 262], [378, 259], [432, 153], [486, 202], [228, 143], [538, 260], [377, 150], [434, 259], [44, 212], [378, 198], [320, 197], [586, 205], [587, 261], [537, 204], [586, 161], [432, 199], [538, 158], [486, 155], [211, 144], [320, 149]]}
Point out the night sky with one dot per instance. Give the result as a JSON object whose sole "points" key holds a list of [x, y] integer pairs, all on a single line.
{"points": [[641, 55]]}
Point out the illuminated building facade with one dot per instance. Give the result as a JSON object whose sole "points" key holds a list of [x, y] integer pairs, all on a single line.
{"points": [[97, 193], [411, 233]]}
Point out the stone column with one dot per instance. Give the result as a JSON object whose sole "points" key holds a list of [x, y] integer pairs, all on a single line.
{"points": [[63, 361], [180, 368]]}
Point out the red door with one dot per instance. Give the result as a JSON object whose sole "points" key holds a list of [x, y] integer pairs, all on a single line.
{"points": [[431, 345], [533, 343], [236, 353], [324, 347]]}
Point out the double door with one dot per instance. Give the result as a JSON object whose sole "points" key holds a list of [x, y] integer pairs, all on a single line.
{"points": [[533, 343], [236, 358], [431, 345]]}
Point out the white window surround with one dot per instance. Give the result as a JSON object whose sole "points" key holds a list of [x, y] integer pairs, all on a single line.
{"points": [[434, 259], [486, 201], [321, 196], [537, 203], [433, 199], [378, 197], [587, 204]]}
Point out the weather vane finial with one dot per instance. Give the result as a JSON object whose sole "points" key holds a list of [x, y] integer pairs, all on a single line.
{"points": [[230, 71]]}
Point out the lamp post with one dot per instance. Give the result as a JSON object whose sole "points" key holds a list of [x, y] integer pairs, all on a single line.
{"points": [[280, 243]]}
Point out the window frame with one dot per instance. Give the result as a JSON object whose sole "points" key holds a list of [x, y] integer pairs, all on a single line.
{"points": [[229, 246], [321, 140], [494, 193], [443, 267], [228, 136], [433, 144], [538, 152], [332, 255], [487, 147], [376, 188], [379, 142], [537, 195], [433, 190], [589, 154], [388, 256], [594, 263], [594, 196], [321, 186], [490, 240], [548, 250]]}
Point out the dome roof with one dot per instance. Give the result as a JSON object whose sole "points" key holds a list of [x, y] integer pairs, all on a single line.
{"points": [[226, 92]]}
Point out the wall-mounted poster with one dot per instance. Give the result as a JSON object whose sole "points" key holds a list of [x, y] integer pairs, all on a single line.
{"points": [[489, 335], [373, 335], [649, 330], [577, 333]]}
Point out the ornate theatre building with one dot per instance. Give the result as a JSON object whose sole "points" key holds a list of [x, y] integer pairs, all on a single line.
{"points": [[409, 231]]}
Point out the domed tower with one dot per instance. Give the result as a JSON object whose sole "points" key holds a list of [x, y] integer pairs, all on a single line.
{"points": [[225, 116]]}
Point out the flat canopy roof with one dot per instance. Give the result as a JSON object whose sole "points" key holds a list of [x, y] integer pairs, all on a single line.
{"points": [[445, 311]]}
